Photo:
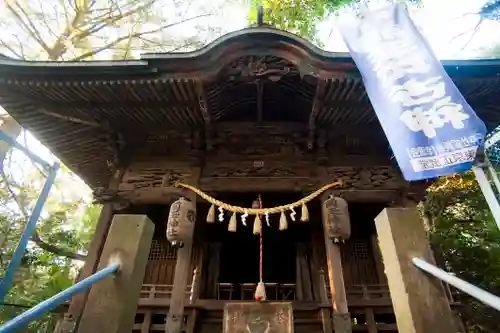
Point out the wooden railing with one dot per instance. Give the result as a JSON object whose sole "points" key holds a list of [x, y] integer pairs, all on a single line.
{"points": [[246, 291], [274, 291], [366, 291], [154, 291]]}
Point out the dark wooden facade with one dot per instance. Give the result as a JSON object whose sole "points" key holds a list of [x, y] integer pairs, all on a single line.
{"points": [[257, 111]]}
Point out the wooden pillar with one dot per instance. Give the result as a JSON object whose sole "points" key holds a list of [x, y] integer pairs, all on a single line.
{"points": [[72, 318], [377, 257], [299, 293], [303, 273], [419, 300], [211, 260], [341, 317], [317, 265], [112, 302], [175, 316]]}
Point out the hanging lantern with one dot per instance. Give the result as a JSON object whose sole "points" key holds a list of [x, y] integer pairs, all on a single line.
{"points": [[181, 219], [336, 219]]}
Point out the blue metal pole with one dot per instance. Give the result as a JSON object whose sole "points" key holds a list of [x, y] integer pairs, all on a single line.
{"points": [[50, 304], [8, 278], [13, 143]]}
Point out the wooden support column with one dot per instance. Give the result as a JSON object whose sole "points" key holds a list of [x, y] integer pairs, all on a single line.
{"points": [[304, 272], [175, 316], [419, 300], [341, 317], [112, 302], [72, 317], [377, 257], [210, 277]]}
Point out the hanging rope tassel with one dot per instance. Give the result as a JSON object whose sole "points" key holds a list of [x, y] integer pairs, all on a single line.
{"points": [[211, 214], [221, 214], [304, 216], [283, 222], [232, 223], [292, 214], [260, 292], [257, 225]]}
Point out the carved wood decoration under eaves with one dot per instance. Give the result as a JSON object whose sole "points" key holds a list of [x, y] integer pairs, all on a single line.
{"points": [[144, 181], [152, 183], [250, 140], [374, 177], [255, 69]]}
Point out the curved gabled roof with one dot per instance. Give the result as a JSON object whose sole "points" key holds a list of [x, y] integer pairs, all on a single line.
{"points": [[85, 111], [256, 41]]}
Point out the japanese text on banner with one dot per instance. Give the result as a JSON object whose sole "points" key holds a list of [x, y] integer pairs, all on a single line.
{"points": [[407, 75]]}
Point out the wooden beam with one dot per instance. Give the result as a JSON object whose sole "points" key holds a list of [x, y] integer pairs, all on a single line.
{"points": [[318, 104], [213, 304], [419, 300], [112, 302], [205, 111]]}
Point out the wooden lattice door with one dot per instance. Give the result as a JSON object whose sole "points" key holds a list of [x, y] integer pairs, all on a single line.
{"points": [[160, 269]]}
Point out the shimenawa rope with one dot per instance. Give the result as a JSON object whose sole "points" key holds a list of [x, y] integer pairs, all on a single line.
{"points": [[258, 211]]}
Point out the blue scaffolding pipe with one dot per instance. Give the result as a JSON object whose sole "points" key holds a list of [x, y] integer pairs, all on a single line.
{"points": [[26, 151], [8, 278], [50, 304]]}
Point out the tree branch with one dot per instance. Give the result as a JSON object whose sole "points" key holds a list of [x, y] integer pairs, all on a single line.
{"points": [[29, 26], [11, 49], [135, 35], [36, 237], [104, 21], [56, 250]]}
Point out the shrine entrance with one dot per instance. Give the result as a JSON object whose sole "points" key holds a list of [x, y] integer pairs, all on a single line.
{"points": [[238, 264]]}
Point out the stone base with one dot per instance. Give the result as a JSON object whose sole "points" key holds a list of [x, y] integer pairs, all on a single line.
{"points": [[257, 317], [342, 323]]}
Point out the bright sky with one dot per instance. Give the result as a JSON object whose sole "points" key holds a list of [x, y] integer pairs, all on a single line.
{"points": [[440, 21]]}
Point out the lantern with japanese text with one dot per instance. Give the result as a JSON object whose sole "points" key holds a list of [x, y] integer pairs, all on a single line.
{"points": [[336, 219], [181, 220]]}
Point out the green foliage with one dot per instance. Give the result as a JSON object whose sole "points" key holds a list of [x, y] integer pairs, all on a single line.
{"points": [[65, 229], [466, 238], [297, 16], [302, 17]]}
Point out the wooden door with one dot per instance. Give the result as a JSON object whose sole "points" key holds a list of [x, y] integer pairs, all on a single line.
{"points": [[160, 269]]}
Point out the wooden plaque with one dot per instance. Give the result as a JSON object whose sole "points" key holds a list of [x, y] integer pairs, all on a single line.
{"points": [[255, 317]]}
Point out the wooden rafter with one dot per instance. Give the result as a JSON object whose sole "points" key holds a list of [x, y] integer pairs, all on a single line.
{"points": [[260, 93], [205, 111], [116, 104], [318, 103]]}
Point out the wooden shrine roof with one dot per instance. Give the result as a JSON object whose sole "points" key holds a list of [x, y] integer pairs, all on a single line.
{"points": [[87, 112]]}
